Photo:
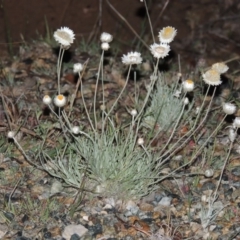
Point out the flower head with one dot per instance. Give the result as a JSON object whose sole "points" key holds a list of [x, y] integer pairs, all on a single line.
{"points": [[212, 77], [177, 93], [106, 37], [232, 134], [186, 101], [209, 173], [188, 85], [159, 50], [77, 67], [229, 108], [60, 101], [133, 112], [75, 130], [64, 36], [11, 134], [132, 58], [140, 141], [47, 100], [167, 34], [220, 67], [236, 122], [105, 46]]}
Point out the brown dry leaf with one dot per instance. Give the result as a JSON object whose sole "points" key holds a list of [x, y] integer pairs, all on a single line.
{"points": [[183, 131], [131, 231], [119, 227], [139, 224], [70, 78], [146, 207], [156, 214], [133, 219], [66, 200], [37, 190], [55, 231], [235, 162]]}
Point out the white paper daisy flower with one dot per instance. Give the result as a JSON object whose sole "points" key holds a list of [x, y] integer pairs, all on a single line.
{"points": [[232, 134], [188, 85], [106, 37], [236, 122], [229, 108], [75, 130], [140, 141], [133, 112], [209, 173], [64, 36], [11, 134], [186, 101], [60, 101], [77, 67], [160, 50], [167, 34], [220, 67], [132, 58], [105, 46], [47, 100], [212, 77]]}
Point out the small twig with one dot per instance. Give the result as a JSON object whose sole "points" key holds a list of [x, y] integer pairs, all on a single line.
{"points": [[128, 24], [164, 7], [64, 11], [14, 189]]}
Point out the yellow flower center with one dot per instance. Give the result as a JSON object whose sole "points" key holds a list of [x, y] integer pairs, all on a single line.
{"points": [[189, 81], [214, 75], [167, 33], [60, 97]]}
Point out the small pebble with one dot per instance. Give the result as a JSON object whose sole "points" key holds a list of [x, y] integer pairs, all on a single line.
{"points": [[236, 171], [165, 201], [72, 229], [56, 187], [75, 237]]}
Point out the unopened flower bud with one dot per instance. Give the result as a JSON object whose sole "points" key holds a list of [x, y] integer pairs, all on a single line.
{"points": [[134, 112], [47, 100], [60, 100], [140, 141], [75, 130]]}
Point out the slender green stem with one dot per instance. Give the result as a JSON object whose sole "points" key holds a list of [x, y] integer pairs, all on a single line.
{"points": [[149, 20], [59, 66], [96, 89], [195, 155], [24, 154], [85, 107], [193, 130], [223, 168], [103, 97], [153, 80], [120, 94], [174, 129]]}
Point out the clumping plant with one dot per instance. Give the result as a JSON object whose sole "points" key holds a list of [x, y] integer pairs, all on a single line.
{"points": [[120, 161], [165, 106]]}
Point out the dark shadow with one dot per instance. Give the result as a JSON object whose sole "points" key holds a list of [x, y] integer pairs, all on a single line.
{"points": [[164, 64], [134, 74], [141, 12], [67, 54]]}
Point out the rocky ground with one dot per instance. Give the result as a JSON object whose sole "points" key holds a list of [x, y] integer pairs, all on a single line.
{"points": [[34, 205]]}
